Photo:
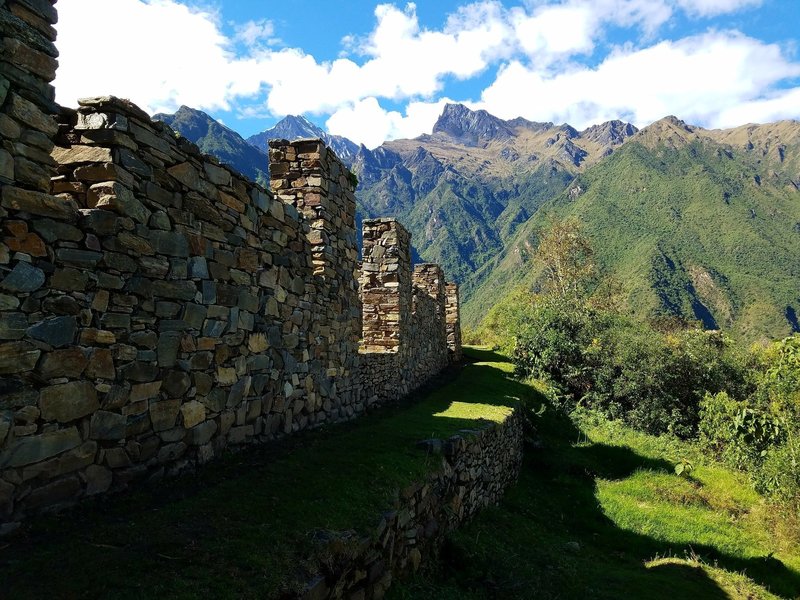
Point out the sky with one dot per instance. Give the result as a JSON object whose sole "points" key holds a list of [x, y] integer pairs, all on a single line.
{"points": [[375, 71]]}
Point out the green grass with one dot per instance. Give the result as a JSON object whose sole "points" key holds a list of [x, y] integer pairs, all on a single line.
{"points": [[243, 525], [600, 513]]}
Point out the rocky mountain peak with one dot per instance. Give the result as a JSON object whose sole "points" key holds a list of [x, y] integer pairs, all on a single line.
{"points": [[469, 127], [610, 133]]}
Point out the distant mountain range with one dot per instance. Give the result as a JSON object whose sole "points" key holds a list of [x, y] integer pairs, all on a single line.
{"points": [[693, 223]]}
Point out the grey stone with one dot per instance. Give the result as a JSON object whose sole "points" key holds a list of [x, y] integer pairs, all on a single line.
{"points": [[170, 243], [18, 357], [164, 414], [198, 267], [213, 328], [68, 401], [57, 331], [209, 292], [36, 448], [194, 315], [23, 278], [202, 433], [13, 325], [70, 280], [176, 384], [8, 302], [168, 345], [107, 426], [178, 290], [79, 258], [53, 231]]}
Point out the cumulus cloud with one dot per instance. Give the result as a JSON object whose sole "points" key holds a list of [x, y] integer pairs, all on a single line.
{"points": [[533, 52], [182, 60], [367, 122], [695, 78]]}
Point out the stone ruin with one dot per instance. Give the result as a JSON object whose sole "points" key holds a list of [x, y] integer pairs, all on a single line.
{"points": [[157, 307]]}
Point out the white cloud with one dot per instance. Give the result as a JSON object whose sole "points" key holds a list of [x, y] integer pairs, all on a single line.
{"points": [[781, 105], [255, 33], [187, 59], [710, 8], [182, 59], [695, 78], [366, 122]]}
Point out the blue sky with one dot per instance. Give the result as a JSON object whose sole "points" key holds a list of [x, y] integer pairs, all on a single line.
{"points": [[373, 71]]}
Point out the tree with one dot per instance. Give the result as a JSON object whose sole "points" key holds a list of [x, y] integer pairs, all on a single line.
{"points": [[567, 259]]}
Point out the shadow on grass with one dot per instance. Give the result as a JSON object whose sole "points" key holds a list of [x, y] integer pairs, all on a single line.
{"points": [[551, 539], [241, 526]]}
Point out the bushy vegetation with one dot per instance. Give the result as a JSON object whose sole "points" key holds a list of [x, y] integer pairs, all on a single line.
{"points": [[660, 377]]}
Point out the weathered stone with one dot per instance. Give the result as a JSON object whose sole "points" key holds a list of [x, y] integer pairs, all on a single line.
{"points": [[101, 365], [68, 401], [70, 280], [202, 433], [176, 384], [169, 243], [145, 391], [179, 290], [23, 278], [107, 426], [13, 325], [53, 231], [28, 113], [81, 154], [33, 449], [80, 258], [38, 203], [71, 362], [29, 244], [18, 357], [56, 332], [164, 414], [112, 195], [8, 302], [193, 413], [186, 174]]}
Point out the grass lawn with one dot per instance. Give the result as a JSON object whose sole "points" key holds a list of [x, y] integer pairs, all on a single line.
{"points": [[600, 513], [243, 524]]}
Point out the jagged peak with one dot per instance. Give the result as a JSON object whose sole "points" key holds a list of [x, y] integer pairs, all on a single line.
{"points": [[468, 126], [609, 133]]}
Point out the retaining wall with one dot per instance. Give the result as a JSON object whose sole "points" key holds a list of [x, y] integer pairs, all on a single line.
{"points": [[476, 467]]}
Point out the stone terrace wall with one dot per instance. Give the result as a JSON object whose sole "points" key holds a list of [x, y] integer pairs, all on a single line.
{"points": [[168, 308], [157, 307], [477, 467]]}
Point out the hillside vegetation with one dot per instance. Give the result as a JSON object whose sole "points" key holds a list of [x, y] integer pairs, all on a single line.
{"points": [[687, 227]]}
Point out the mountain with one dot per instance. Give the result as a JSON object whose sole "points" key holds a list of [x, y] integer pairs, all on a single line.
{"points": [[464, 189], [699, 224], [296, 127], [214, 138]]}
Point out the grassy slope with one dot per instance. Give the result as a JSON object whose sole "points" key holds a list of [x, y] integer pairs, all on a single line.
{"points": [[240, 526], [599, 513], [685, 230]]}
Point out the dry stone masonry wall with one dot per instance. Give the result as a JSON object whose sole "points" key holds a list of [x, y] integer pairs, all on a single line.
{"points": [[475, 469], [157, 307]]}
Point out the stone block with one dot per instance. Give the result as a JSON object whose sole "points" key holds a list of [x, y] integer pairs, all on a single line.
{"points": [[36, 448], [70, 362], [18, 357], [193, 413], [57, 332], [164, 414], [69, 401], [107, 426]]}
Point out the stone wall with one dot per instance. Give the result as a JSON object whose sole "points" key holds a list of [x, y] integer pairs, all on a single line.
{"points": [[157, 307], [453, 321], [476, 467]]}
